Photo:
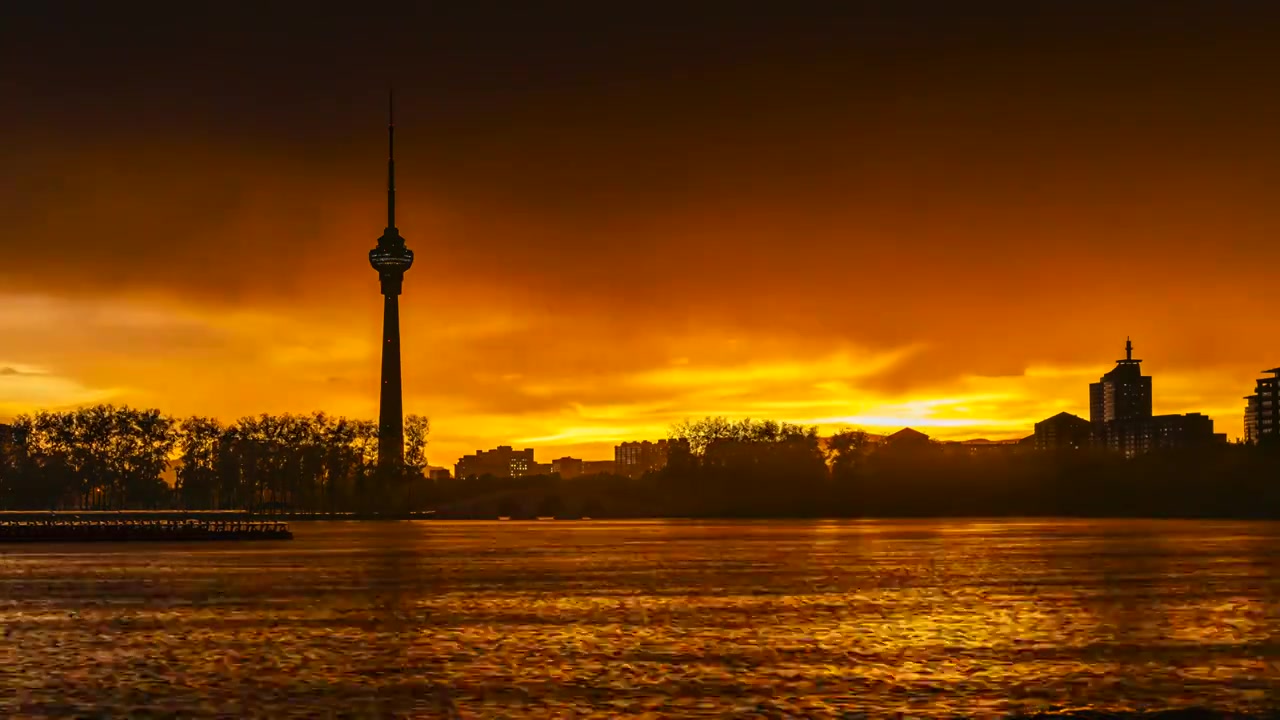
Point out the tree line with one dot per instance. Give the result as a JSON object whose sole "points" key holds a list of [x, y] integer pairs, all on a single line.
{"points": [[108, 458], [767, 469], [721, 468]]}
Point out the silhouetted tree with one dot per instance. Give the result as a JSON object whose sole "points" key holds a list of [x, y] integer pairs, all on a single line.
{"points": [[746, 467], [847, 450], [142, 443], [199, 441], [416, 428], [106, 457], [39, 472], [100, 457]]}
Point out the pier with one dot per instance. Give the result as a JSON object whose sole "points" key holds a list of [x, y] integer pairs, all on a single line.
{"points": [[137, 526]]}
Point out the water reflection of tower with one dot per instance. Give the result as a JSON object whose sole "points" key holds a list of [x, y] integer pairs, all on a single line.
{"points": [[391, 259]]}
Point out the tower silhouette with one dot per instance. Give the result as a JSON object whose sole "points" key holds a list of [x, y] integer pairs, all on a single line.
{"points": [[391, 259]]}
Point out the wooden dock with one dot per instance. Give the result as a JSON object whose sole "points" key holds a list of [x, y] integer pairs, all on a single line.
{"points": [[139, 526]]}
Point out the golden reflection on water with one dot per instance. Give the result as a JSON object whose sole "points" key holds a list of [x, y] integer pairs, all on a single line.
{"points": [[627, 619]]}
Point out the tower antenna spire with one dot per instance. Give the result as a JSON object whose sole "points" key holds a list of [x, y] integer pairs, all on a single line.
{"points": [[391, 259], [391, 158], [1128, 349]]}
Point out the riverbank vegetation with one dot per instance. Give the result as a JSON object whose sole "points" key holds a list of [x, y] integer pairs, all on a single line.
{"points": [[764, 469], [108, 457]]}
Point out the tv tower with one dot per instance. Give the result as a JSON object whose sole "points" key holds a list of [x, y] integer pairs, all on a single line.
{"points": [[391, 259]]}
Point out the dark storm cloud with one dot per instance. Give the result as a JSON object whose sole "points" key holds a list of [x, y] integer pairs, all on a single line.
{"points": [[203, 151], [994, 185]]}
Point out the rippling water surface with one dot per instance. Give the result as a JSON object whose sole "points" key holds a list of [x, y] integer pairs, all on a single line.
{"points": [[604, 619]]}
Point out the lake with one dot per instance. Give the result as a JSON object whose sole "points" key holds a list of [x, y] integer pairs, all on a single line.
{"points": [[627, 619]]}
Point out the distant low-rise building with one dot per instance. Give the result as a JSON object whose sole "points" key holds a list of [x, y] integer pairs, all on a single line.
{"points": [[905, 439], [1262, 413], [567, 467], [1160, 432], [599, 467], [634, 459], [502, 461], [438, 473], [1063, 431]]}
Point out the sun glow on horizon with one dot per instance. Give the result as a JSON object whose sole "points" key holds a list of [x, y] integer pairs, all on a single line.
{"points": [[231, 364]]}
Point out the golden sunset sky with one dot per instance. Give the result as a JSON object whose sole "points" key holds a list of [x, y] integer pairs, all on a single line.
{"points": [[865, 214]]}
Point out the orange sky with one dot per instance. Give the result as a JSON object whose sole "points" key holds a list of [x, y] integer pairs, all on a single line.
{"points": [[952, 227]]}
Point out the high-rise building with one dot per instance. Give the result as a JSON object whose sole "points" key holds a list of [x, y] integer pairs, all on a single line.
{"points": [[502, 461], [391, 259], [1124, 393], [1262, 414], [634, 459], [1120, 413], [1063, 431], [1120, 406]]}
